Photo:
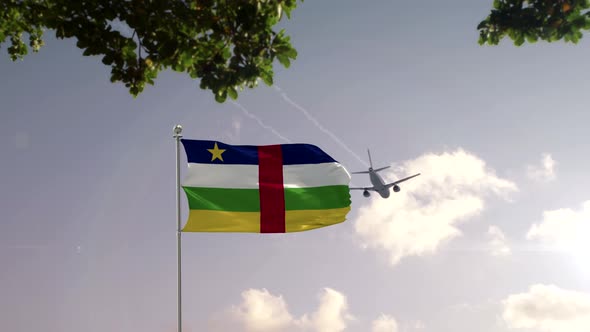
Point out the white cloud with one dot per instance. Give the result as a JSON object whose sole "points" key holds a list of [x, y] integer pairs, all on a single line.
{"points": [[261, 311], [563, 228], [385, 323], [425, 214], [548, 308], [233, 134], [332, 314], [237, 125], [498, 245], [418, 325], [544, 172]]}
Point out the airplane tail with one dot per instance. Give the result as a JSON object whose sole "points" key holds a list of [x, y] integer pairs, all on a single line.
{"points": [[371, 166]]}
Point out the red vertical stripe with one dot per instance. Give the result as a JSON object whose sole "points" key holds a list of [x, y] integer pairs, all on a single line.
{"points": [[272, 192]]}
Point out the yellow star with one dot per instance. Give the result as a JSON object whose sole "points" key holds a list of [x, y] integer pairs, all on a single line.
{"points": [[216, 152]]}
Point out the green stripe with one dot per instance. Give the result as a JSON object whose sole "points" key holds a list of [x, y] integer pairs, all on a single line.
{"points": [[223, 199], [248, 200], [317, 198]]}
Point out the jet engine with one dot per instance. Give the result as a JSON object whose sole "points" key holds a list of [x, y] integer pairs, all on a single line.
{"points": [[366, 193], [396, 188]]}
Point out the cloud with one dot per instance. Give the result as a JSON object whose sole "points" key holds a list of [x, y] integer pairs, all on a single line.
{"points": [[384, 323], [233, 134], [261, 311], [418, 220], [563, 228], [544, 172], [418, 325], [237, 125], [548, 308], [498, 245], [332, 314]]}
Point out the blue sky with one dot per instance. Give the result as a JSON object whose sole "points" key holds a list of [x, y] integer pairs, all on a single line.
{"points": [[87, 225]]}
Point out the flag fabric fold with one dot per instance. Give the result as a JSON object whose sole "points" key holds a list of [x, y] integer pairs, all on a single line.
{"points": [[263, 189]]}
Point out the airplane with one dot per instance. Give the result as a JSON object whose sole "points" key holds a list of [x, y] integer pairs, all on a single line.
{"points": [[378, 184]]}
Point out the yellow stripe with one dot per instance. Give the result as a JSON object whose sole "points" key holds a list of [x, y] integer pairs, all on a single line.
{"points": [[222, 221], [304, 220], [249, 222]]}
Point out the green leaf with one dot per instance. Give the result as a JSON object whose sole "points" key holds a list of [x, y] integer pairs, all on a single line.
{"points": [[221, 96], [531, 38], [291, 53], [107, 59], [266, 77], [232, 92], [284, 60]]}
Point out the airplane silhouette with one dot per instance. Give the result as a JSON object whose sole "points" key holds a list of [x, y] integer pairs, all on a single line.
{"points": [[379, 185]]}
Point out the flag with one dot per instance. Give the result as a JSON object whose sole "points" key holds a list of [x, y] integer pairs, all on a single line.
{"points": [[263, 189]]}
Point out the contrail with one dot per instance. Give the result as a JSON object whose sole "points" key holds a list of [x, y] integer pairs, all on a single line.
{"points": [[262, 124], [319, 125]]}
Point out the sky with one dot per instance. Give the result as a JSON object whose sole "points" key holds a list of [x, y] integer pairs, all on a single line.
{"points": [[491, 237]]}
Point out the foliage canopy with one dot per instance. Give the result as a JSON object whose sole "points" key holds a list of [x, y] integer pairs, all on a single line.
{"points": [[531, 20], [228, 44]]}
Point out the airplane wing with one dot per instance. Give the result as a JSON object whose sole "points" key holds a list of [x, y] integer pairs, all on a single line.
{"points": [[362, 188], [389, 185]]}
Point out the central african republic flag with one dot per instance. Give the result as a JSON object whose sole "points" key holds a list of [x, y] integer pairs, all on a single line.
{"points": [[263, 189]]}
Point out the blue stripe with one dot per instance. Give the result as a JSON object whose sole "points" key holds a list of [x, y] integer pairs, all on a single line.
{"points": [[197, 151], [294, 154]]}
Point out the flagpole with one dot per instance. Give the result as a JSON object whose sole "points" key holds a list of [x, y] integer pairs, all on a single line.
{"points": [[177, 136]]}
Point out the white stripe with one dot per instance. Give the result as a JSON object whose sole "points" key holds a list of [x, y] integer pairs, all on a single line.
{"points": [[222, 176], [246, 176], [315, 175]]}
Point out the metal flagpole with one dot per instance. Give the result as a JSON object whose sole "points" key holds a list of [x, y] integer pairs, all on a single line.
{"points": [[177, 136]]}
